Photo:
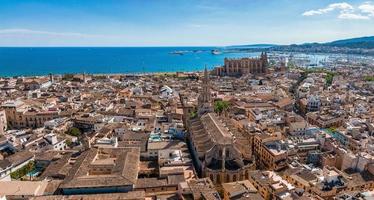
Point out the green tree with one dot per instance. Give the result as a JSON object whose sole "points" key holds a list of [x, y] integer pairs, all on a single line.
{"points": [[23, 170], [369, 78], [220, 106], [329, 78], [74, 132], [332, 129], [329, 74], [68, 142], [193, 114]]}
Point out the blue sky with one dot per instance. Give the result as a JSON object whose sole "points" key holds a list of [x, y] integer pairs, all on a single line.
{"points": [[181, 22]]}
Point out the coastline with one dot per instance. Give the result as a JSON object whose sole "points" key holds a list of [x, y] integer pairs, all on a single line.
{"points": [[110, 74], [42, 61]]}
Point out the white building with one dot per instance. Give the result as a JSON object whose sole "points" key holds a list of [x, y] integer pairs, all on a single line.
{"points": [[58, 144], [166, 92]]}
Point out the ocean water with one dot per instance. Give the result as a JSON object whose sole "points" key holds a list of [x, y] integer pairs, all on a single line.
{"points": [[97, 60]]}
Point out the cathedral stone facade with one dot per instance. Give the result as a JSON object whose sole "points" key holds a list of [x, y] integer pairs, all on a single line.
{"points": [[243, 66], [222, 152]]}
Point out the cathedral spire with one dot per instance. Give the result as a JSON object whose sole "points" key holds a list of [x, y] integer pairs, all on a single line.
{"points": [[204, 100], [206, 76]]}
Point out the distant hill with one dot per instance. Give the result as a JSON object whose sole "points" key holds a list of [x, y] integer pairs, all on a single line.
{"points": [[361, 45], [361, 42], [352, 43], [354, 40]]}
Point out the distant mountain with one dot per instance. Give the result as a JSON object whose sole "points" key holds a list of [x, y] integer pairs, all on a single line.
{"points": [[361, 42], [354, 40], [352, 43], [362, 46]]}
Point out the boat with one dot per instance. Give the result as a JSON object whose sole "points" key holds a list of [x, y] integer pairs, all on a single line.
{"points": [[177, 52], [216, 52]]}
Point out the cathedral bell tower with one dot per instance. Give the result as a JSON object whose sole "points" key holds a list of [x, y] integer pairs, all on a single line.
{"points": [[264, 59], [205, 98]]}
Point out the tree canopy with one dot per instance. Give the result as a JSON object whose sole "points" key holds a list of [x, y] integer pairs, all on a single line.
{"points": [[220, 106], [74, 132]]}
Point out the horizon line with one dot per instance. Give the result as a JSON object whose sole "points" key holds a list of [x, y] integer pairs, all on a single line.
{"points": [[165, 46], [151, 46]]}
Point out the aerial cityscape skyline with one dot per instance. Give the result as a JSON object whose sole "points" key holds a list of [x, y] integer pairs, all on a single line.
{"points": [[186, 100], [181, 23]]}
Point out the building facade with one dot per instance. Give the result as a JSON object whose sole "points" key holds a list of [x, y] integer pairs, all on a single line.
{"points": [[270, 153], [20, 115], [3, 123], [222, 152], [243, 66]]}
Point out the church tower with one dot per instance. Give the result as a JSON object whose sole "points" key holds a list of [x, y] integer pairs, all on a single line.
{"points": [[51, 78], [205, 98], [265, 62]]}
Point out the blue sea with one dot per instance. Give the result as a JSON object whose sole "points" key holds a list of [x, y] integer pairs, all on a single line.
{"points": [[27, 61]]}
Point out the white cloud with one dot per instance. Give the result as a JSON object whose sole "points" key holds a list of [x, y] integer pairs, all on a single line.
{"points": [[343, 7], [367, 8], [312, 12], [44, 33], [346, 11], [352, 16]]}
